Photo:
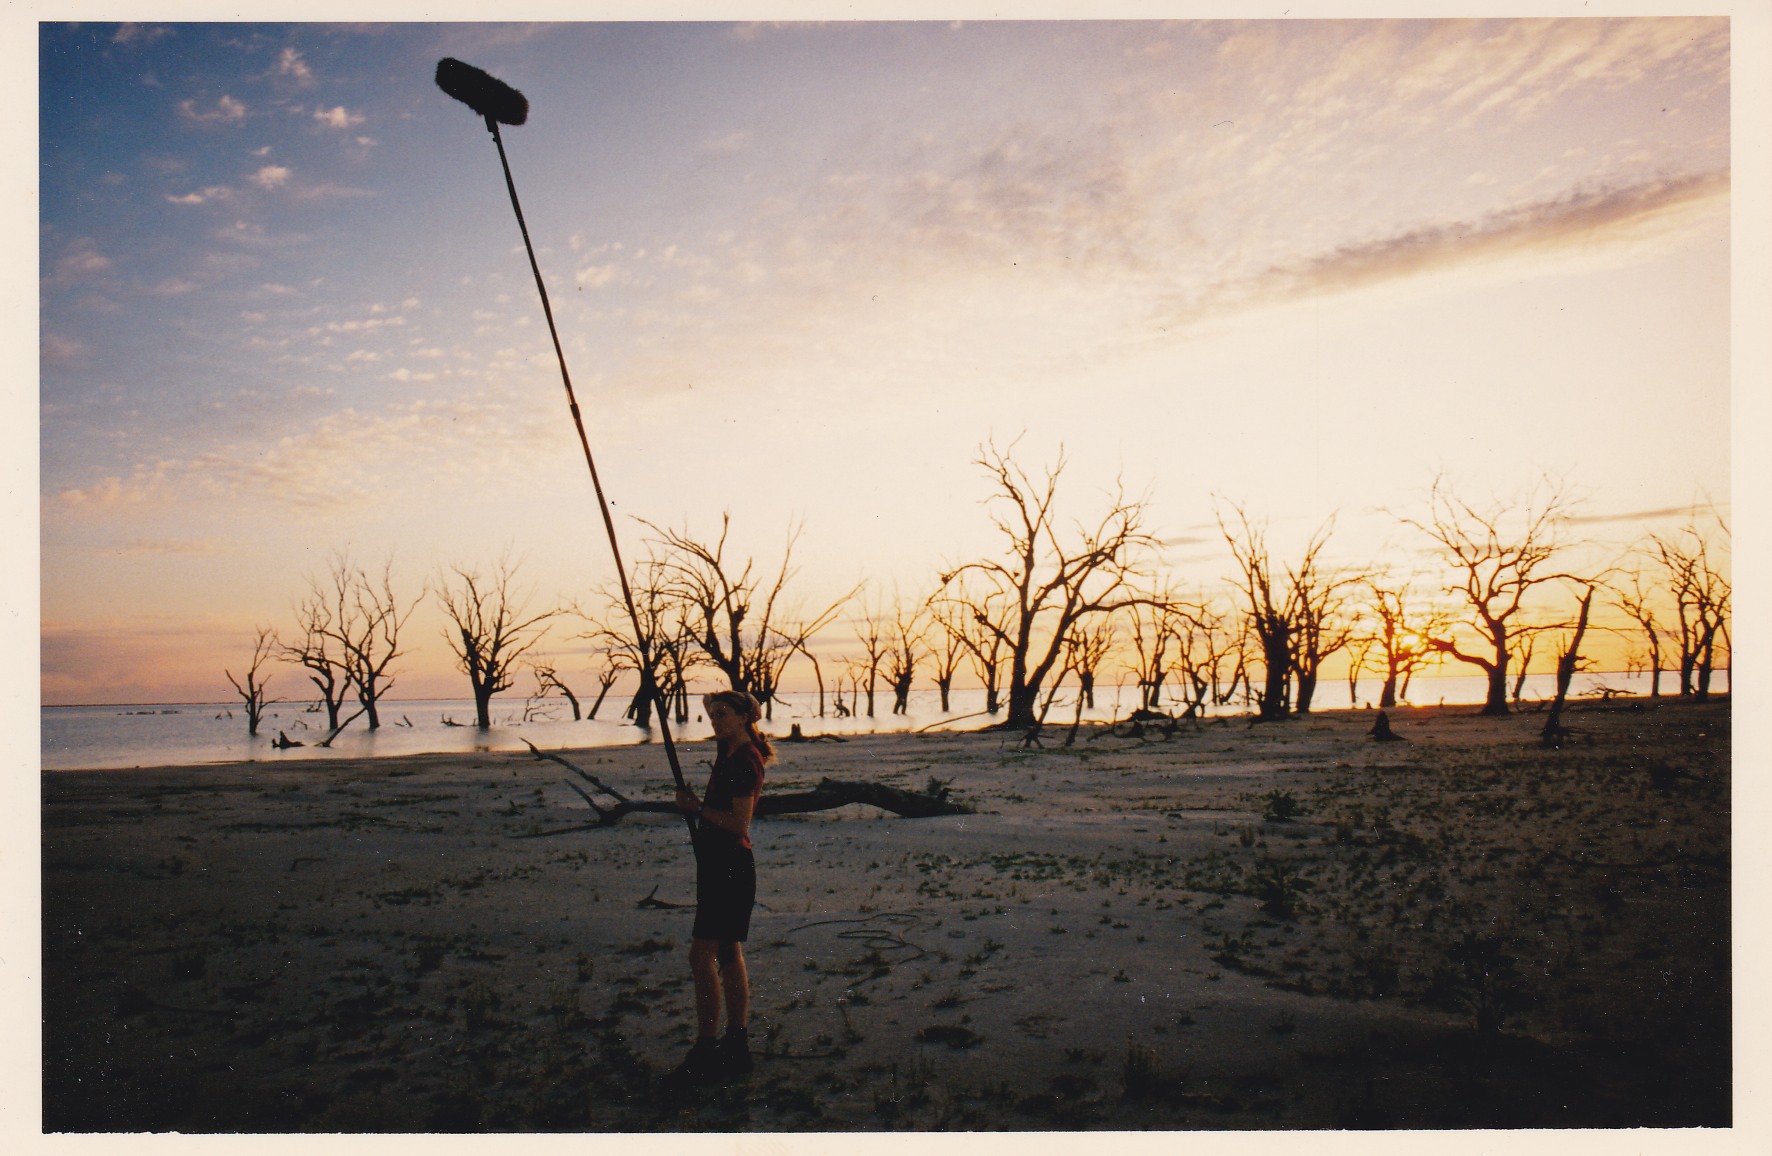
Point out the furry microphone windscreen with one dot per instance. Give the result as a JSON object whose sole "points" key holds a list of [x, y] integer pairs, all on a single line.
{"points": [[485, 94]]}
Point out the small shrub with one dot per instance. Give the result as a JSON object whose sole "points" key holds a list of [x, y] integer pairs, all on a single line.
{"points": [[1279, 888], [1280, 806], [1141, 1073]]}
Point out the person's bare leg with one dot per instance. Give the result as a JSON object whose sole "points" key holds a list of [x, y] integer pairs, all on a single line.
{"points": [[736, 981], [704, 966]]}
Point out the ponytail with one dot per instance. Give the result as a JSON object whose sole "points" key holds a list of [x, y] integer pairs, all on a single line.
{"points": [[746, 708]]}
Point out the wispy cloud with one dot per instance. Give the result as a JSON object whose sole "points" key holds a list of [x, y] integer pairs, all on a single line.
{"points": [[1635, 516], [271, 176], [201, 196], [80, 260], [343, 460], [1577, 218], [227, 110], [291, 64], [139, 34], [338, 117]]}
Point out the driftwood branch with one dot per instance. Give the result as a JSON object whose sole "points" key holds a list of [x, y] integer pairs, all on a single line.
{"points": [[833, 793], [828, 795]]}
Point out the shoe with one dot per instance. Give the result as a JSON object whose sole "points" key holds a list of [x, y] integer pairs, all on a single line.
{"points": [[735, 1052], [702, 1064]]}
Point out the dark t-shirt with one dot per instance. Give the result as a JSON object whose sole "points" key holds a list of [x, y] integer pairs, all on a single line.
{"points": [[736, 775]]}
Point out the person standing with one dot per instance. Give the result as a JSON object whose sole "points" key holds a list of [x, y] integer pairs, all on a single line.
{"points": [[725, 886]]}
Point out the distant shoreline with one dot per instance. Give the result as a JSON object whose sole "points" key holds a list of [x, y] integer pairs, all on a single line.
{"points": [[1054, 731]]}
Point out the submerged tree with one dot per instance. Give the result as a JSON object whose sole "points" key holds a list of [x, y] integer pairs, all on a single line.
{"points": [[492, 629], [903, 651], [252, 688], [548, 680], [1086, 649], [320, 653], [740, 624], [1047, 581], [368, 620], [670, 641], [968, 618], [870, 635], [1500, 555], [946, 653]]}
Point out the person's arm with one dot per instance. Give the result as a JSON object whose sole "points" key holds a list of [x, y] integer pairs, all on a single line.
{"points": [[737, 820]]}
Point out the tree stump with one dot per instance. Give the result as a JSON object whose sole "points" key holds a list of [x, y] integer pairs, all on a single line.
{"points": [[1381, 730]]}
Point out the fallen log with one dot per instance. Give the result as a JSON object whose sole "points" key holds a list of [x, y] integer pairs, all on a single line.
{"points": [[833, 793], [830, 794]]}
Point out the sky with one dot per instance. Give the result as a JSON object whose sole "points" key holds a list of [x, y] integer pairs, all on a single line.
{"points": [[802, 272]]}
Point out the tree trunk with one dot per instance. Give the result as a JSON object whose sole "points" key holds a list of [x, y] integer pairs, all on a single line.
{"points": [[367, 693], [1707, 657], [1273, 694], [1307, 690], [1023, 707], [1554, 733], [1495, 704], [1387, 698]]}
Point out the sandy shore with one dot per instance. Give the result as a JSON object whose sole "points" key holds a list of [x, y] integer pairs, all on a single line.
{"points": [[1460, 930]]}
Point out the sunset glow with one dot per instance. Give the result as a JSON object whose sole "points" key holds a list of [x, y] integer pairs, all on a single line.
{"points": [[802, 273]]}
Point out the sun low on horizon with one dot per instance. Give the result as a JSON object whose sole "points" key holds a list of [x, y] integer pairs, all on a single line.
{"points": [[802, 273]]}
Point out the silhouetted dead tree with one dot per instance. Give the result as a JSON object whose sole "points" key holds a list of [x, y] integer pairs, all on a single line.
{"points": [[367, 621], [1211, 638], [1634, 594], [252, 690], [1701, 593], [789, 634], [547, 677], [971, 619], [1325, 616], [733, 616], [870, 633], [1086, 649], [670, 640], [1501, 555], [1279, 611], [492, 630], [1155, 638], [605, 680], [1567, 663], [1050, 583], [1400, 632], [946, 654], [320, 653], [903, 651]]}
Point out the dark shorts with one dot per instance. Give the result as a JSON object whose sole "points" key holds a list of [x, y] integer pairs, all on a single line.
{"points": [[725, 889]]}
